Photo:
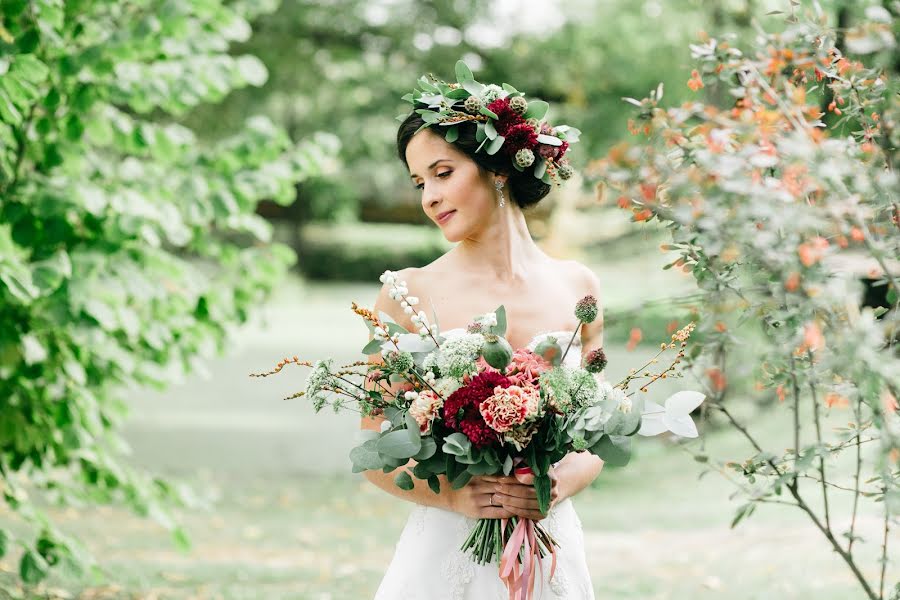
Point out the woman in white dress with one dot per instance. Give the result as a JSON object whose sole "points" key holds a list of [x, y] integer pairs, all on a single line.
{"points": [[477, 200]]}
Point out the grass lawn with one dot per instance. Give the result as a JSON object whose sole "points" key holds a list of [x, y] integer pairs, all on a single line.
{"points": [[652, 531]]}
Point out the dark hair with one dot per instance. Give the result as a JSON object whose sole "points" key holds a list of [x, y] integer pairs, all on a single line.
{"points": [[527, 190]]}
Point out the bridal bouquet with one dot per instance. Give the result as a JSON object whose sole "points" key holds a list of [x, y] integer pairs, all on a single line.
{"points": [[469, 404]]}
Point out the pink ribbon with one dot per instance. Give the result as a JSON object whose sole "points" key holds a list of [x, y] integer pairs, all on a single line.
{"points": [[518, 574]]}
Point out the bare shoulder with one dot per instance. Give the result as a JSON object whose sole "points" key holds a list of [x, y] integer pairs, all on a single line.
{"points": [[582, 280]]}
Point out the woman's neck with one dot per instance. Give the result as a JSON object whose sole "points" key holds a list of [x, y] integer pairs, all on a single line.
{"points": [[503, 251]]}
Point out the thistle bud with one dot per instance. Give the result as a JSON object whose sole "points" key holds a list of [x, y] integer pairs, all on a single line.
{"points": [[399, 362], [586, 309], [595, 361]]}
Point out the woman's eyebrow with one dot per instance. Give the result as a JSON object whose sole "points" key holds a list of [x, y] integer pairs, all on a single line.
{"points": [[431, 166]]}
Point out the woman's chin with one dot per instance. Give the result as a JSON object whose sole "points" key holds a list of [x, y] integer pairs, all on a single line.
{"points": [[451, 234]]}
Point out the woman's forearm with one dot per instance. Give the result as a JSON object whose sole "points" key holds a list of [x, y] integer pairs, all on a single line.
{"points": [[576, 471], [420, 494]]}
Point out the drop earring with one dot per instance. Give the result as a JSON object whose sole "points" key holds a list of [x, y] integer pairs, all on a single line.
{"points": [[499, 185]]}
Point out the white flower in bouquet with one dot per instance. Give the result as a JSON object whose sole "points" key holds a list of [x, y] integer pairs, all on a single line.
{"points": [[612, 398], [446, 386], [570, 388], [317, 383], [457, 355], [487, 320]]}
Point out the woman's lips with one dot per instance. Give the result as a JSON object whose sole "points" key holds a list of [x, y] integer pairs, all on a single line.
{"points": [[444, 217]]}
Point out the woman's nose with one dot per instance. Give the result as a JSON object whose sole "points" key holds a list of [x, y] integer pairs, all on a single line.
{"points": [[430, 196]]}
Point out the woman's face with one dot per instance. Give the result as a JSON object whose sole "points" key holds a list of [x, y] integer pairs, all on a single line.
{"points": [[456, 194]]}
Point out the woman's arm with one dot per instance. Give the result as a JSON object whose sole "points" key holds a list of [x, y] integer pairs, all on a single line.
{"points": [[575, 472], [579, 469], [473, 499]]}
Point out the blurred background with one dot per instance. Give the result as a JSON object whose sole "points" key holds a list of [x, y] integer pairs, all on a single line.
{"points": [[278, 514]]}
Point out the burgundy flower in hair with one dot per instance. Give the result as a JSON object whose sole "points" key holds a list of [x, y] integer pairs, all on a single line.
{"points": [[554, 152], [506, 117], [518, 137]]}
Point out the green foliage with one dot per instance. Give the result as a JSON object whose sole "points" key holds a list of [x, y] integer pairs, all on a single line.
{"points": [[362, 252], [769, 200], [356, 68], [127, 249]]}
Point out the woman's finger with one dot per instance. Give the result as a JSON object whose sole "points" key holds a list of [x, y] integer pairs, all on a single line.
{"points": [[518, 490], [498, 512], [534, 515], [515, 502]]}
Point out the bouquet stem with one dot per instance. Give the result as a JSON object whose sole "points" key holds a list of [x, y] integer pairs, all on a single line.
{"points": [[518, 544]]}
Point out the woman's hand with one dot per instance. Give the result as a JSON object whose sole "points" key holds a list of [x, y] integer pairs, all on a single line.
{"points": [[517, 495], [475, 499]]}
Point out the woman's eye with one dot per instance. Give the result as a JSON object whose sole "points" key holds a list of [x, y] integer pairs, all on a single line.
{"points": [[445, 174]]}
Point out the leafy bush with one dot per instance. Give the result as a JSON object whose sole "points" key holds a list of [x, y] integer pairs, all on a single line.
{"points": [[363, 251], [763, 198], [116, 268]]}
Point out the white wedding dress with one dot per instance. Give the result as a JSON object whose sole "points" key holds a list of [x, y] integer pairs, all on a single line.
{"points": [[428, 563]]}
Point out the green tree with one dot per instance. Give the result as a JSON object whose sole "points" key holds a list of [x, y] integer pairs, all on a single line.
{"points": [[345, 74], [127, 249]]}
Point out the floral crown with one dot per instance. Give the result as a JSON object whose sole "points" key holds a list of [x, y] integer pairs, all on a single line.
{"points": [[504, 120]]}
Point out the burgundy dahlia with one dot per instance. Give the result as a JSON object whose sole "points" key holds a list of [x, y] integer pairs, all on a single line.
{"points": [[461, 409], [518, 137], [506, 116], [595, 361]]}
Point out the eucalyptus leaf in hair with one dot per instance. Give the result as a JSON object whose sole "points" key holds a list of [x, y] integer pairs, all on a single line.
{"points": [[507, 123]]}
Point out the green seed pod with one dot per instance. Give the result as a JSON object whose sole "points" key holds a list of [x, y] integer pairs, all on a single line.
{"points": [[550, 350], [518, 104], [496, 351], [524, 158]]}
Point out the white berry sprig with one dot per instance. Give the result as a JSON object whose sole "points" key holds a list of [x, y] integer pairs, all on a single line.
{"points": [[398, 292]]}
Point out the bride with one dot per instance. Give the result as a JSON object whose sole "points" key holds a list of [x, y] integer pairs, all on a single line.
{"points": [[477, 200]]}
